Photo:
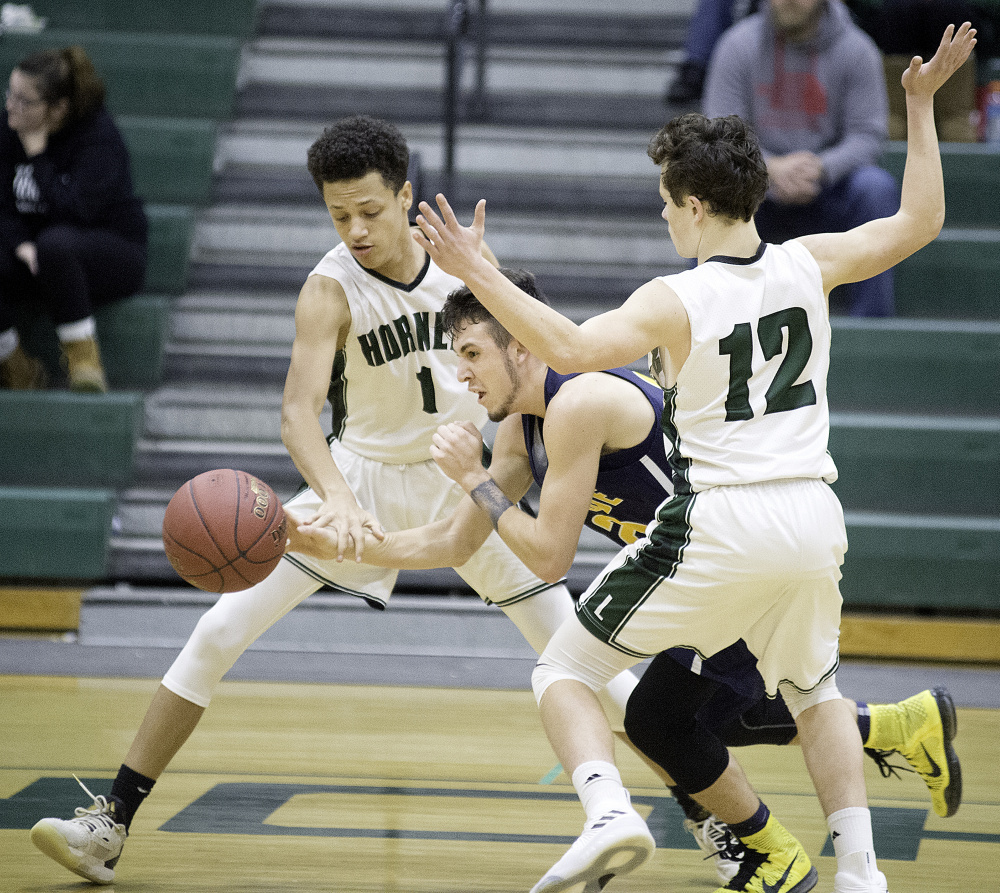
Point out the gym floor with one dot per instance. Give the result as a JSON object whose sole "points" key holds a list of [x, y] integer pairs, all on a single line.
{"points": [[388, 787]]}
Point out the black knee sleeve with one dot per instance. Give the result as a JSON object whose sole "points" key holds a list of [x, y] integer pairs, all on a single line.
{"points": [[661, 719], [766, 722]]}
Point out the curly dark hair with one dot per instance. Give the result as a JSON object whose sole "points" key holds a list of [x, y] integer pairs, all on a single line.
{"points": [[717, 160], [462, 308], [353, 147]]}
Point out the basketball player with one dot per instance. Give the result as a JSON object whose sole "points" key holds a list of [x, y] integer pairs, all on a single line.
{"points": [[369, 340], [751, 545], [593, 444]]}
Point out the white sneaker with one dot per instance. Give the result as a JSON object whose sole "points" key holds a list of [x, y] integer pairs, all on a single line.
{"points": [[88, 845], [717, 842], [616, 843]]}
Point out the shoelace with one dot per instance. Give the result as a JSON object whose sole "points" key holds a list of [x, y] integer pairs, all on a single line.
{"points": [[881, 759], [729, 845], [96, 817]]}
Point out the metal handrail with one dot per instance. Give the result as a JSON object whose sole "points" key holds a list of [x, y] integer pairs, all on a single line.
{"points": [[458, 25]]}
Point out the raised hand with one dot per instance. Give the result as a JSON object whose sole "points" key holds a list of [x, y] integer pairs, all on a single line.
{"points": [[456, 249], [925, 78]]}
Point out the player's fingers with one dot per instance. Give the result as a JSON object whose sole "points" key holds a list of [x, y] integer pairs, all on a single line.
{"points": [[343, 541], [431, 218], [447, 214], [444, 433], [479, 218], [376, 531], [359, 543], [427, 233]]}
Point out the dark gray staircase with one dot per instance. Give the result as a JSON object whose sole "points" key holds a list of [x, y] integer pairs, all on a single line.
{"points": [[556, 145], [567, 187]]}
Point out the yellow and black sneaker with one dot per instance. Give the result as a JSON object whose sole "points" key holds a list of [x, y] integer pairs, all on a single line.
{"points": [[773, 862], [921, 729]]}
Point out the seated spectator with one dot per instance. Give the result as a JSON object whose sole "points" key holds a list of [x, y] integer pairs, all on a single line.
{"points": [[811, 83], [72, 233], [708, 23]]}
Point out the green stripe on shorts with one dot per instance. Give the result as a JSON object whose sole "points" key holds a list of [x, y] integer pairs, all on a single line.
{"points": [[613, 599]]}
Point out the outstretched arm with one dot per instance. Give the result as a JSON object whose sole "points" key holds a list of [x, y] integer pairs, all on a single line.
{"points": [[874, 247], [651, 317], [451, 541]]}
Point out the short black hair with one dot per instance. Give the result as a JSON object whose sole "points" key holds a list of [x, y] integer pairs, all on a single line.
{"points": [[717, 160], [463, 308], [353, 147]]}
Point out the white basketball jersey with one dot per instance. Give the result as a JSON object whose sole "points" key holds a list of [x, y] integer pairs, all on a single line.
{"points": [[750, 402], [396, 379]]}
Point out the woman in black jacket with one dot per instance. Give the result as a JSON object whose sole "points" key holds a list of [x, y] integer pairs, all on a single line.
{"points": [[72, 233]]}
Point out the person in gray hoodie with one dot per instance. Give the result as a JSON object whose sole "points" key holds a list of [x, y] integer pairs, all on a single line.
{"points": [[811, 84]]}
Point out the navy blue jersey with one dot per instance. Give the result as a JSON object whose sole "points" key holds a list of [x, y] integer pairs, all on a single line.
{"points": [[632, 483]]}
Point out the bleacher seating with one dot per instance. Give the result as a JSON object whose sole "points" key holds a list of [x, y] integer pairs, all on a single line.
{"points": [[179, 75], [923, 464], [61, 439], [971, 173], [956, 276], [928, 562], [232, 18], [55, 533], [915, 366], [171, 157], [916, 413], [170, 70], [132, 334], [171, 228]]}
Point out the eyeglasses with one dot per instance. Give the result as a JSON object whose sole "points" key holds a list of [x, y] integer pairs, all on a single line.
{"points": [[21, 102]]}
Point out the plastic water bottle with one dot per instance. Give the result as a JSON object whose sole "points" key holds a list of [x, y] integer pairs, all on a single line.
{"points": [[991, 114]]}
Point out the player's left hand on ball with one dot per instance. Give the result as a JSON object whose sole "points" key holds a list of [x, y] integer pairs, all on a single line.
{"points": [[347, 523], [316, 542]]}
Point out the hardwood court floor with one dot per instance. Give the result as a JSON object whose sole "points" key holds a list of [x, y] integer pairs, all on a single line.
{"points": [[411, 790]]}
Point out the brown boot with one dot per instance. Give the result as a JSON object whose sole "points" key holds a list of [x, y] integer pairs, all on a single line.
{"points": [[22, 372], [83, 362]]}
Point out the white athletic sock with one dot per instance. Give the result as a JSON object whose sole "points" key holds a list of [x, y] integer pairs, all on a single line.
{"points": [[8, 343], [599, 786], [77, 331], [851, 832]]}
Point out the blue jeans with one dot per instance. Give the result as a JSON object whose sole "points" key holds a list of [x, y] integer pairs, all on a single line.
{"points": [[867, 193], [710, 19]]}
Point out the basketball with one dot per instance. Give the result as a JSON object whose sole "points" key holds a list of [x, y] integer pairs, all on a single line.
{"points": [[224, 530]]}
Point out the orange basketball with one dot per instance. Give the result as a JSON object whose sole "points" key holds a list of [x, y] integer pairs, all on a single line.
{"points": [[224, 530]]}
